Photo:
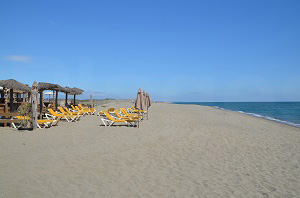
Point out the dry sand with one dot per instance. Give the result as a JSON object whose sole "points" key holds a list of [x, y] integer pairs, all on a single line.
{"points": [[181, 151]]}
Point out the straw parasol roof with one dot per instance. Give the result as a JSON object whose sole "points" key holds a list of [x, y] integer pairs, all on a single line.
{"points": [[13, 84], [68, 90], [76, 91], [47, 86], [60, 88]]}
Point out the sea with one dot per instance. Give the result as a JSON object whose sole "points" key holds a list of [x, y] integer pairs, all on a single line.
{"points": [[282, 112]]}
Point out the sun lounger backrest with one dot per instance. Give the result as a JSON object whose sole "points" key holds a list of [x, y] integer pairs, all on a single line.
{"points": [[118, 114], [62, 110], [111, 109], [124, 111], [109, 116], [52, 112]]}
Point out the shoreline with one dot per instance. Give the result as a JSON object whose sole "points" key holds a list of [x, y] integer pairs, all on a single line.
{"points": [[269, 118]]}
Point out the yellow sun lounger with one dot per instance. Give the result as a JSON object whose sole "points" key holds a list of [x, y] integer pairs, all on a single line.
{"points": [[92, 110], [40, 123], [55, 115], [83, 110], [79, 111], [108, 120], [124, 112], [73, 112], [67, 113], [119, 116], [134, 110]]}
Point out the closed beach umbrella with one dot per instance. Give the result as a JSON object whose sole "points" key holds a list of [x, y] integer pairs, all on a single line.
{"points": [[148, 100], [139, 102], [144, 99], [13, 85], [148, 103]]}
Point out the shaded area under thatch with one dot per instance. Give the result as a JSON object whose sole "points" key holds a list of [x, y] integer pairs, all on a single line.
{"points": [[49, 86], [15, 85], [72, 91]]}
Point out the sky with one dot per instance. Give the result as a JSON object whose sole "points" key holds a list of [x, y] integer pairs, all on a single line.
{"points": [[188, 50]]}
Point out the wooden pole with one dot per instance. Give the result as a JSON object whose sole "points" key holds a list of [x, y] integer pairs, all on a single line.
{"points": [[2, 93], [74, 99], [5, 107], [11, 100], [41, 103], [34, 94], [56, 98], [91, 101], [66, 102]]}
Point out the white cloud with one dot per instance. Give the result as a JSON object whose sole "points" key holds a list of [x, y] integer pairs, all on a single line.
{"points": [[18, 58]]}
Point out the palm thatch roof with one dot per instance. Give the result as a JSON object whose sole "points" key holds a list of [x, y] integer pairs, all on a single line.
{"points": [[77, 91], [13, 84], [50, 86], [68, 90], [47, 86], [73, 91]]}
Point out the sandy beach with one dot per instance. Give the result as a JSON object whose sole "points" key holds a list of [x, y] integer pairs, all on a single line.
{"points": [[181, 151]]}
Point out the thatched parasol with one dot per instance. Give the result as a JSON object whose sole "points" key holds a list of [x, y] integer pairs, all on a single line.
{"points": [[13, 85], [76, 91], [67, 91], [49, 86]]}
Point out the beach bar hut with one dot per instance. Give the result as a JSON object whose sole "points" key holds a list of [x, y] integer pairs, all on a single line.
{"points": [[12, 85]]}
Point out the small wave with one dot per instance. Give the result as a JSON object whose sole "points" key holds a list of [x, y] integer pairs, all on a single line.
{"points": [[264, 117]]}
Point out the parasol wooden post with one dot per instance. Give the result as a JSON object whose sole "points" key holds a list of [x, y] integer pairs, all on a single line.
{"points": [[41, 103], [5, 110], [66, 102], [11, 100], [91, 101], [56, 98]]}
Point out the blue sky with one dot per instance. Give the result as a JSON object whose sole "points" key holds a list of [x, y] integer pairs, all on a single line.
{"points": [[175, 50]]}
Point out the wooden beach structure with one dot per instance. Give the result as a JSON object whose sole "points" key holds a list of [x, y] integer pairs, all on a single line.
{"points": [[76, 91], [8, 103], [42, 86]]}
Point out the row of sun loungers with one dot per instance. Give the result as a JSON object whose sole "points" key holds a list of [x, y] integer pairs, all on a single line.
{"points": [[53, 117], [129, 117]]}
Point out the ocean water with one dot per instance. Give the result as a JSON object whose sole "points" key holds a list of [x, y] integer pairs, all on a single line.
{"points": [[283, 112]]}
